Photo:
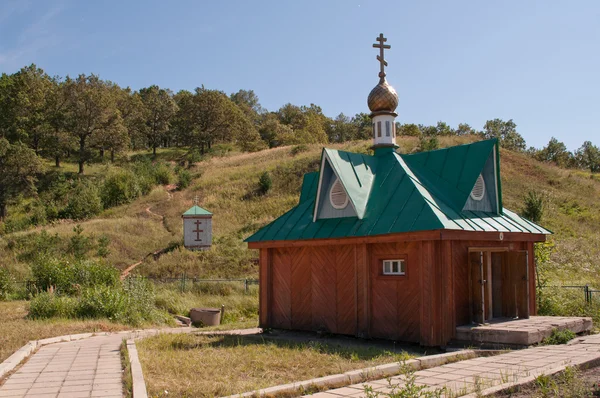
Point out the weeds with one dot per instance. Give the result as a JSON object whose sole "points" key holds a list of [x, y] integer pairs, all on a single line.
{"points": [[559, 337]]}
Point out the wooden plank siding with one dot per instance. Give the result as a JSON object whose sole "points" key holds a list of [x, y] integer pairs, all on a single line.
{"points": [[340, 288], [395, 300]]}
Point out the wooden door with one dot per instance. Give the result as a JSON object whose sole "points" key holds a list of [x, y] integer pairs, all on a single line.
{"points": [[517, 279], [477, 286]]}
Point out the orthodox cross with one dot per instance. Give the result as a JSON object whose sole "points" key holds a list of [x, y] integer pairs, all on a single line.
{"points": [[198, 230], [382, 62], [196, 200]]}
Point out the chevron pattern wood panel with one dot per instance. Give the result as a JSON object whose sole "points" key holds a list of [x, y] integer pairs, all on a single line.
{"points": [[301, 290], [346, 289], [281, 305], [323, 277], [395, 301]]}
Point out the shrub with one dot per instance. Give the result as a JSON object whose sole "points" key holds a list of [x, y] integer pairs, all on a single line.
{"points": [[163, 175], [144, 174], [559, 337], [120, 187], [68, 278], [265, 183], [50, 305], [79, 244], [6, 284], [533, 209], [102, 302], [84, 201], [184, 179], [428, 144]]}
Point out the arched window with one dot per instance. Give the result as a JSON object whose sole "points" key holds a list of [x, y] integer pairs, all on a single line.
{"points": [[337, 196], [479, 189]]}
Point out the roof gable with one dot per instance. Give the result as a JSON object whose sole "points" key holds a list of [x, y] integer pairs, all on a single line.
{"points": [[356, 172], [451, 173]]}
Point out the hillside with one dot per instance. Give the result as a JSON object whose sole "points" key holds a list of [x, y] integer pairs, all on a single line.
{"points": [[228, 186]]}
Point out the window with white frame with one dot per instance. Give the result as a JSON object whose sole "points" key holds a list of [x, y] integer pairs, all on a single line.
{"points": [[394, 267]]}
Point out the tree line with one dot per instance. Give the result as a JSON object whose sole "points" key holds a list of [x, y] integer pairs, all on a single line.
{"points": [[86, 119]]}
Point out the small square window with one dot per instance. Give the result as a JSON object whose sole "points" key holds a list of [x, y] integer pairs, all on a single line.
{"points": [[394, 267]]}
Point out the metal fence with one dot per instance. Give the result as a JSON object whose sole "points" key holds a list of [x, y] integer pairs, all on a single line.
{"points": [[187, 283], [183, 282], [587, 291]]}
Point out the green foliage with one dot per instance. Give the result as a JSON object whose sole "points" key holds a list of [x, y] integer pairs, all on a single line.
{"points": [[18, 168], [428, 144], [559, 337], [131, 303], [534, 205], [163, 174], [103, 242], [408, 388], [49, 305], [6, 284], [79, 244], [120, 187], [84, 201], [265, 183], [69, 278], [184, 178], [506, 133]]}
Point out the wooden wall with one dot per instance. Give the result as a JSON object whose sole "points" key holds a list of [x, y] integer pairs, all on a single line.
{"points": [[340, 289], [315, 288]]}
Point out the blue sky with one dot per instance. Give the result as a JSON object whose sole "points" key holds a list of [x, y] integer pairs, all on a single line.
{"points": [[537, 62]]}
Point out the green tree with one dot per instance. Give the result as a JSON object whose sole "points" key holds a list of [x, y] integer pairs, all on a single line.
{"points": [[588, 157], [464, 129], [159, 109], [363, 125], [556, 152], [272, 132], [411, 130], [215, 118], [342, 129], [90, 110], [18, 168], [30, 96], [248, 102], [505, 132]]}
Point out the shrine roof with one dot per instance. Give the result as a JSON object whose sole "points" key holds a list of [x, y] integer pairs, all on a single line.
{"points": [[401, 193], [197, 211]]}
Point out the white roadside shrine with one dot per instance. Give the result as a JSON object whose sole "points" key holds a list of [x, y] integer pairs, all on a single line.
{"points": [[197, 228]]}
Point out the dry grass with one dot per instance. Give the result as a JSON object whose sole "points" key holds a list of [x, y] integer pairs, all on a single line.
{"points": [[208, 366], [16, 330]]}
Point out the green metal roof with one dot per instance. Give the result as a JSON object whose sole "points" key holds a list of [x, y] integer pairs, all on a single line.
{"points": [[400, 193], [197, 211]]}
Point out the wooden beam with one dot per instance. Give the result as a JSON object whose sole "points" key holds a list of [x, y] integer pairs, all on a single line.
{"points": [[445, 234], [448, 234], [403, 237]]}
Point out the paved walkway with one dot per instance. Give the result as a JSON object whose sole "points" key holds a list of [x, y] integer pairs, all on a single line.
{"points": [[84, 368], [468, 376]]}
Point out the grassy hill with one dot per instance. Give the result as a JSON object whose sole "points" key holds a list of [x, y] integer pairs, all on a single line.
{"points": [[228, 186]]}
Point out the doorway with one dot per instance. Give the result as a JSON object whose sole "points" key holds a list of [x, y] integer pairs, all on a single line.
{"points": [[498, 284]]}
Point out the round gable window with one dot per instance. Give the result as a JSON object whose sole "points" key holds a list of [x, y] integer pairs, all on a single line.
{"points": [[479, 189], [338, 196]]}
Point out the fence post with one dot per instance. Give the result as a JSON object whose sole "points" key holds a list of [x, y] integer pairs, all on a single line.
{"points": [[246, 285], [586, 290]]}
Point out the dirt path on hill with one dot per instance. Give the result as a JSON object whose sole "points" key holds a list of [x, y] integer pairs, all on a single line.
{"points": [[157, 253]]}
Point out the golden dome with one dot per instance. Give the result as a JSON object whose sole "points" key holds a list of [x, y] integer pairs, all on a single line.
{"points": [[383, 97]]}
